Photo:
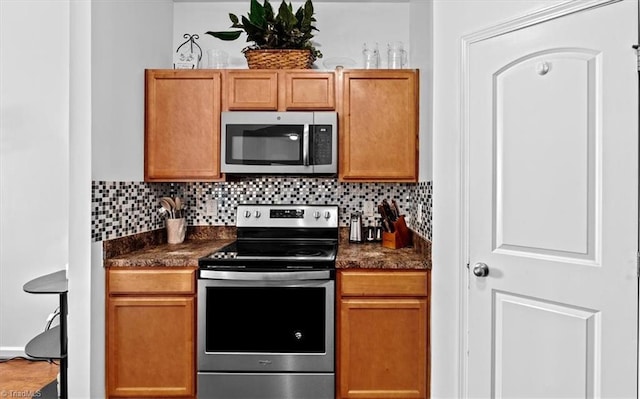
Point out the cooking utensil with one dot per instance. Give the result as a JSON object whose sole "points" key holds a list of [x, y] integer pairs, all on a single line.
{"points": [[171, 202], [179, 207], [167, 205]]}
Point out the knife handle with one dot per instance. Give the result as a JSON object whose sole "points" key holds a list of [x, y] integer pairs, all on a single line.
{"points": [[395, 208]]}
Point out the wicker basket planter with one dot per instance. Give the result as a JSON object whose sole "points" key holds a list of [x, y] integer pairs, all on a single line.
{"points": [[279, 59]]}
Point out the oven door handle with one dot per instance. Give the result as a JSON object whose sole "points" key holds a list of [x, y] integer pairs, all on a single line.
{"points": [[265, 276]]}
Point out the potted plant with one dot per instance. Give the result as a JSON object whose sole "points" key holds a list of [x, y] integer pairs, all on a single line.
{"points": [[281, 40]]}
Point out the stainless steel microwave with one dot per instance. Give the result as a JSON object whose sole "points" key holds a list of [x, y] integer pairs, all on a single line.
{"points": [[279, 142]]}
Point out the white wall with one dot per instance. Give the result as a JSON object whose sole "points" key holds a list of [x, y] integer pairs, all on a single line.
{"points": [[128, 37], [79, 333], [343, 27], [453, 20], [34, 183], [421, 33]]}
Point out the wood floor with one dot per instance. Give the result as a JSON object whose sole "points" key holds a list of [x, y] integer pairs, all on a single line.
{"points": [[23, 378]]}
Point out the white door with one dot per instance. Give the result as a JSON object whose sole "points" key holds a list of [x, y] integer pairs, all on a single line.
{"points": [[552, 199]]}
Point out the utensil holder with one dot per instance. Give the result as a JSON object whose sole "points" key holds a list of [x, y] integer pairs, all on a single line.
{"points": [[176, 230], [400, 237]]}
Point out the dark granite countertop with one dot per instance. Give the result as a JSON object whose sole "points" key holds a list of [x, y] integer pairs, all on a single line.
{"points": [[150, 249], [375, 256], [185, 254]]}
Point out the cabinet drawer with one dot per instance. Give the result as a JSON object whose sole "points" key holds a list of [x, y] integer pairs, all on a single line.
{"points": [[151, 281], [384, 283]]}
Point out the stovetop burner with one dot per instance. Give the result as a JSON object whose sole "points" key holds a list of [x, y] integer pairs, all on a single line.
{"points": [[280, 237], [303, 252], [276, 250]]}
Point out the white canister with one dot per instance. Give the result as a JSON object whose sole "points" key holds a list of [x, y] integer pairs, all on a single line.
{"points": [[176, 230]]}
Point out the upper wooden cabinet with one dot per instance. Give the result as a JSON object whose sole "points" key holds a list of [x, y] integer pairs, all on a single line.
{"points": [[378, 119], [278, 90], [182, 125], [307, 90]]}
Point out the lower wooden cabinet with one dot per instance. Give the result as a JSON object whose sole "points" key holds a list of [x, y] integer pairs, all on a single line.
{"points": [[151, 337], [383, 334]]}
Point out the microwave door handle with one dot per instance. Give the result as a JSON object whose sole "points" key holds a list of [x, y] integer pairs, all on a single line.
{"points": [[305, 145]]}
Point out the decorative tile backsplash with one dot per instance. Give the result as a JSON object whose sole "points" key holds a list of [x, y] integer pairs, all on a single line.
{"points": [[124, 208], [423, 205]]}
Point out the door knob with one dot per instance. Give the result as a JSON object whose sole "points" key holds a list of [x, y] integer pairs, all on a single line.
{"points": [[481, 269]]}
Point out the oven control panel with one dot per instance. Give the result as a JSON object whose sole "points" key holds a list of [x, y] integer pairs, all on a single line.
{"points": [[286, 213], [258, 215]]}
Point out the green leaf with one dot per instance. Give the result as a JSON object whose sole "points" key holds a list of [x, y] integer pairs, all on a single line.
{"points": [[254, 33], [286, 17], [268, 12], [284, 30], [256, 15], [308, 7], [308, 14], [228, 36], [299, 17]]}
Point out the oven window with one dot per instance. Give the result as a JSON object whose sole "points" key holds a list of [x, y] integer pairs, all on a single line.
{"points": [[265, 319], [264, 144]]}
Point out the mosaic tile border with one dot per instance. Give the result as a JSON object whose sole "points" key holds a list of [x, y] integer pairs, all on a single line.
{"points": [[124, 208], [423, 194]]}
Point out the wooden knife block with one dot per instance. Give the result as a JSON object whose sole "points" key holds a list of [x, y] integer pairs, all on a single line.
{"points": [[400, 237]]}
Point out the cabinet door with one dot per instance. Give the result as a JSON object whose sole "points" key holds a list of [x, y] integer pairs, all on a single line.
{"points": [[307, 90], [383, 348], [379, 126], [182, 125], [251, 90], [150, 346]]}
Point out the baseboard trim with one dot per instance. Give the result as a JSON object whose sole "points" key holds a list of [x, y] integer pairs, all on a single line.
{"points": [[9, 352]]}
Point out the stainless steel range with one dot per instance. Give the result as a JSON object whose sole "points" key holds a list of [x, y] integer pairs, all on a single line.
{"points": [[266, 306]]}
